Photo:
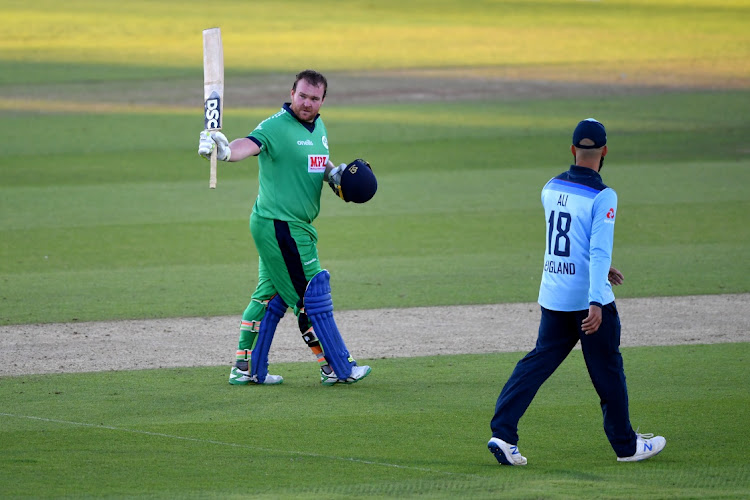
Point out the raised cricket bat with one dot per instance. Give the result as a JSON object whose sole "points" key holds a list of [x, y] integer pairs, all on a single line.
{"points": [[213, 89]]}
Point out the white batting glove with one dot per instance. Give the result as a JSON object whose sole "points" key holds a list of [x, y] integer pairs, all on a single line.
{"points": [[334, 176], [209, 140]]}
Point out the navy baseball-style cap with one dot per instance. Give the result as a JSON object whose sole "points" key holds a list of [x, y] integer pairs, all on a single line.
{"points": [[590, 129]]}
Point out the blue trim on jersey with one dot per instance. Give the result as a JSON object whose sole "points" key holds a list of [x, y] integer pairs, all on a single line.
{"points": [[573, 188], [309, 126], [584, 177], [286, 107]]}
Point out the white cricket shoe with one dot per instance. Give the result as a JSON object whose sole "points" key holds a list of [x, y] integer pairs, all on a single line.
{"points": [[328, 378], [506, 453], [646, 447], [242, 377], [358, 373]]}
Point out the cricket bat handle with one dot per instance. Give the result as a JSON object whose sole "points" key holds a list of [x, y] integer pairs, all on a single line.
{"points": [[212, 173]]}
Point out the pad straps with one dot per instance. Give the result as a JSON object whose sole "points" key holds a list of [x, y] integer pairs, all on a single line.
{"points": [[319, 308]]}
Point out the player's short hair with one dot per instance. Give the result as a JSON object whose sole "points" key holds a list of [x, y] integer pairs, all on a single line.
{"points": [[588, 153], [313, 78]]}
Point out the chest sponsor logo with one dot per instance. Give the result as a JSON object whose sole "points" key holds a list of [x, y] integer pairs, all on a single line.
{"points": [[316, 163], [308, 142]]}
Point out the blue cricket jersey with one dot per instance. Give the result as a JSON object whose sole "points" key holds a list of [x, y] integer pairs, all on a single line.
{"points": [[580, 213]]}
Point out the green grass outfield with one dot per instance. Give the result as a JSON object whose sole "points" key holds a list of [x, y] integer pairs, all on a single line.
{"points": [[416, 429], [105, 214], [116, 232]]}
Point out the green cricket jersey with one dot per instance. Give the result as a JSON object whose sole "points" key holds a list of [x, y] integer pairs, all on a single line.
{"points": [[291, 164]]}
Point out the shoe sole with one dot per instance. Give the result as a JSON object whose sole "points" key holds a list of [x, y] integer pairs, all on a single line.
{"points": [[350, 382], [498, 452], [626, 459], [500, 455], [234, 381]]}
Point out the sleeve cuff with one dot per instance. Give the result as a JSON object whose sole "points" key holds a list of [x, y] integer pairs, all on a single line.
{"points": [[256, 141]]}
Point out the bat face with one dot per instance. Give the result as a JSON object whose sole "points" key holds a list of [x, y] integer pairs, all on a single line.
{"points": [[213, 88], [212, 112], [213, 79]]}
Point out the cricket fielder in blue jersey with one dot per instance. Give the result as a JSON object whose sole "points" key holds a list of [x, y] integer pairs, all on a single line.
{"points": [[577, 304]]}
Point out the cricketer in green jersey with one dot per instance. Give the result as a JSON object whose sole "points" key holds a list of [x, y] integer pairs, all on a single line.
{"points": [[294, 162]]}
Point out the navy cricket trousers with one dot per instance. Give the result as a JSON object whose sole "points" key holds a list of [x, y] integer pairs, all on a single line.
{"points": [[559, 332]]}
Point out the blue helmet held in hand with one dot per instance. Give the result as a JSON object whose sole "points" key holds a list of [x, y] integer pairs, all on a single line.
{"points": [[358, 182]]}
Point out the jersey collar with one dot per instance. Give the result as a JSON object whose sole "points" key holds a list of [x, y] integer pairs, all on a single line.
{"points": [[309, 126], [584, 171]]}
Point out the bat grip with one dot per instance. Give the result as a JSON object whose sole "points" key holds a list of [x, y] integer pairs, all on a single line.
{"points": [[212, 173]]}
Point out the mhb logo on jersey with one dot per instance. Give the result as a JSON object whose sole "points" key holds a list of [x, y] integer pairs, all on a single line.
{"points": [[316, 163], [212, 112]]}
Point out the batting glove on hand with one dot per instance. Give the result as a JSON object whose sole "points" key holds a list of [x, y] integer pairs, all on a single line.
{"points": [[334, 179], [334, 176], [209, 140]]}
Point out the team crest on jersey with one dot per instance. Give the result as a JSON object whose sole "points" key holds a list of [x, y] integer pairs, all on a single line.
{"points": [[316, 164], [325, 142]]}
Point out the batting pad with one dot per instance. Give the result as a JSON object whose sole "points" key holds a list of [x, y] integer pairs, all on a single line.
{"points": [[319, 308], [275, 310]]}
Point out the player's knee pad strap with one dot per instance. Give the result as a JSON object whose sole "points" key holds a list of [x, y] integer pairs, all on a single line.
{"points": [[319, 308], [275, 310]]}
